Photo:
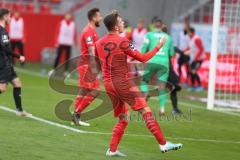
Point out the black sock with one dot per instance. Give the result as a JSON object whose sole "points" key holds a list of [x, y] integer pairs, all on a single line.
{"points": [[173, 97], [198, 80], [17, 98], [193, 79]]}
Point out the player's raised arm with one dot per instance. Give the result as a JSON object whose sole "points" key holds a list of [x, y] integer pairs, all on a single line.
{"points": [[145, 57]]}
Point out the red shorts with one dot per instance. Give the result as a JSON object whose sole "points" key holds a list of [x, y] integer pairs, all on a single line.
{"points": [[124, 94], [87, 78]]}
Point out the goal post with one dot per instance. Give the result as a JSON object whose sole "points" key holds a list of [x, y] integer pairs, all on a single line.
{"points": [[224, 67], [214, 52]]}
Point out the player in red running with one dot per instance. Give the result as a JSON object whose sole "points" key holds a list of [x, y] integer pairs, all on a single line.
{"points": [[112, 51], [88, 82]]}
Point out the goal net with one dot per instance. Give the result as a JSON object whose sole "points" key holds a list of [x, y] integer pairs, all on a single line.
{"points": [[224, 78]]}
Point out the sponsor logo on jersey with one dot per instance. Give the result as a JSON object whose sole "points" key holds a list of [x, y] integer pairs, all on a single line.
{"points": [[89, 40]]}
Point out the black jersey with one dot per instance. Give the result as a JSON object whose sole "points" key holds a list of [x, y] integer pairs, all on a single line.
{"points": [[6, 52]]}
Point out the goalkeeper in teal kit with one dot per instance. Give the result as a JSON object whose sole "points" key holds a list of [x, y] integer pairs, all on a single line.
{"points": [[159, 64]]}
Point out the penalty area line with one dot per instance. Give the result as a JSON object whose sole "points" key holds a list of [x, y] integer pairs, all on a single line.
{"points": [[103, 133]]}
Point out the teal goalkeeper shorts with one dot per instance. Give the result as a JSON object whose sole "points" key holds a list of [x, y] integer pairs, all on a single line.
{"points": [[151, 69]]}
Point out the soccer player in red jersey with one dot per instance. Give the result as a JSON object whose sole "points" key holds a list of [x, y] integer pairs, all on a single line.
{"points": [[88, 82], [112, 51]]}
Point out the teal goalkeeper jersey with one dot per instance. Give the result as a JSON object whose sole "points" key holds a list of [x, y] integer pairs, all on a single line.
{"points": [[167, 51]]}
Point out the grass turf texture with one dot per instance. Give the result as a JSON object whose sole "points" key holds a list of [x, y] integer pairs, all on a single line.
{"points": [[26, 139]]}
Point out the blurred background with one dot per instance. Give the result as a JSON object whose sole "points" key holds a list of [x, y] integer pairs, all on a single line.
{"points": [[42, 16]]}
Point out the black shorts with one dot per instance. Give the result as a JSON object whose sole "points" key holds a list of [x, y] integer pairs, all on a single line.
{"points": [[7, 75], [196, 65], [173, 80], [173, 77], [183, 59]]}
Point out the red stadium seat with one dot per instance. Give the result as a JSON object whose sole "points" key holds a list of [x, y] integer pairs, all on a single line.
{"points": [[18, 7], [207, 19], [8, 6], [30, 8], [45, 9], [1, 4], [43, 1], [56, 1]]}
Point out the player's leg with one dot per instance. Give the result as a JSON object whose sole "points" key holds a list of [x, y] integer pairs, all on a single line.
{"points": [[197, 78], [188, 68], [192, 75], [57, 59], [162, 98], [87, 93], [17, 89], [77, 107], [174, 100], [147, 76], [59, 53], [120, 111], [82, 102], [162, 77], [155, 129], [68, 50], [173, 85], [87, 100], [135, 99], [180, 64], [117, 134], [83, 91]]}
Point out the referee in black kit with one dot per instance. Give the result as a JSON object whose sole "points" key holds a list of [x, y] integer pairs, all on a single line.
{"points": [[7, 73]]}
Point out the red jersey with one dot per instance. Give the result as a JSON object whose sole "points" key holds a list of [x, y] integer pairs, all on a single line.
{"points": [[88, 38], [112, 51], [87, 78]]}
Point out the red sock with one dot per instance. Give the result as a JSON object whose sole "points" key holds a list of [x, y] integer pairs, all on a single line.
{"points": [[77, 102], [153, 126], [117, 134], [86, 100]]}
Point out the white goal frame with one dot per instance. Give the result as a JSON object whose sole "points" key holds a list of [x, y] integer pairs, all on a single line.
{"points": [[214, 53]]}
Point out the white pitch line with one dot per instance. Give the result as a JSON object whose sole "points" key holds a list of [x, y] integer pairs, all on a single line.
{"points": [[103, 133]]}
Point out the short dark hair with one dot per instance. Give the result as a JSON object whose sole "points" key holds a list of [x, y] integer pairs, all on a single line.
{"points": [[92, 12], [158, 21], [3, 12], [191, 30], [154, 19], [111, 21]]}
